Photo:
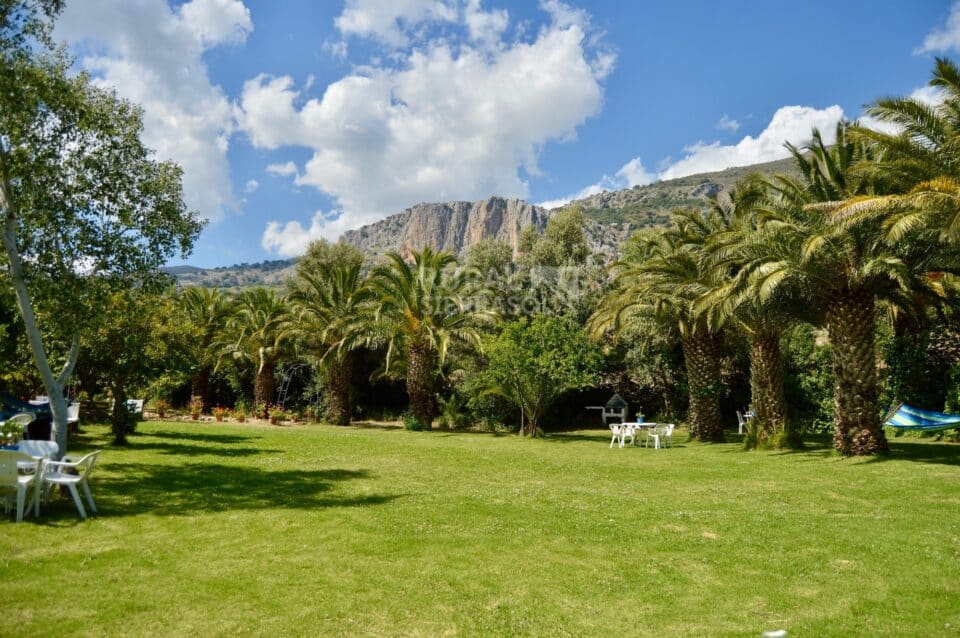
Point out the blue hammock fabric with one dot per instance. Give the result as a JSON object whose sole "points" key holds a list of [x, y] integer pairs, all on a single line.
{"points": [[906, 417]]}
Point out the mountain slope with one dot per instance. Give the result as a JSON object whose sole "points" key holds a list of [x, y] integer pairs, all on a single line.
{"points": [[456, 226]]}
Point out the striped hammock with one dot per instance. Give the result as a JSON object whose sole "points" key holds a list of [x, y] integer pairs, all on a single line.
{"points": [[905, 417]]}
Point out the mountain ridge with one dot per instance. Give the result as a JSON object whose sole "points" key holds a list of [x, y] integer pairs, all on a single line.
{"points": [[457, 225]]}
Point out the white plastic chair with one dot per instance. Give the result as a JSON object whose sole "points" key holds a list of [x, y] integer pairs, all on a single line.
{"points": [[54, 474], [17, 473], [618, 433], [73, 414], [24, 419], [657, 435], [740, 422], [667, 434]]}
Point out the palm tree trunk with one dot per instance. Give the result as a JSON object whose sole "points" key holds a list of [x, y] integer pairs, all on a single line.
{"points": [[339, 384], [851, 326], [421, 367], [701, 354], [768, 428], [263, 385], [200, 387]]}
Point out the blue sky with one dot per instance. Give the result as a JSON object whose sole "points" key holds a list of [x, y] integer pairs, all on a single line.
{"points": [[296, 120]]}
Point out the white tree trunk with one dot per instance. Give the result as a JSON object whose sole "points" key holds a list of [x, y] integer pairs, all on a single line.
{"points": [[53, 385]]}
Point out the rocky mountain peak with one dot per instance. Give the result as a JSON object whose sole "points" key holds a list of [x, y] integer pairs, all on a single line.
{"points": [[451, 226]]}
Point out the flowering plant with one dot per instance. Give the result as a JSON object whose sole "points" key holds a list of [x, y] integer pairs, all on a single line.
{"points": [[221, 411]]}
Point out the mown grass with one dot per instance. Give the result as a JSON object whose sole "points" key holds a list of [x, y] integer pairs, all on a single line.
{"points": [[214, 530]]}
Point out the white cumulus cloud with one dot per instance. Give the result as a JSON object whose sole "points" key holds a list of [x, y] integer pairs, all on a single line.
{"points": [[943, 38], [789, 124], [152, 55], [450, 118], [390, 21], [727, 123], [633, 173], [290, 239], [251, 186], [286, 169], [217, 21]]}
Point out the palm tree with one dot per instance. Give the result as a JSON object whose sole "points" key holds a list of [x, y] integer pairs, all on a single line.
{"points": [[420, 311], [332, 309], [763, 323], [658, 280], [917, 164], [207, 309], [841, 272], [258, 334]]}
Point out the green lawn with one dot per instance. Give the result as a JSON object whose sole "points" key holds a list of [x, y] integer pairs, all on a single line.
{"points": [[216, 529]]}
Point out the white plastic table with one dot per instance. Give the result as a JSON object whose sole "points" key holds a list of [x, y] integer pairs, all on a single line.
{"points": [[639, 425]]}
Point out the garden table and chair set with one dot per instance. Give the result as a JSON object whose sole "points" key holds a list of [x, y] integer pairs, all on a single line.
{"points": [[658, 434], [28, 467]]}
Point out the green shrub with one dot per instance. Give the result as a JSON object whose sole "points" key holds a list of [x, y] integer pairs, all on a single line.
{"points": [[809, 380], [410, 423]]}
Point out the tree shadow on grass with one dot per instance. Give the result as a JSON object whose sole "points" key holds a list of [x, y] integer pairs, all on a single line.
{"points": [[180, 449], [921, 452], [449, 433], [200, 437], [821, 447], [374, 425], [196, 488], [603, 436]]}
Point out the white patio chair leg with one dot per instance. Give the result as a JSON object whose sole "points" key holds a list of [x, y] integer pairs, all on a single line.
{"points": [[86, 491], [612, 439], [76, 499], [36, 500], [21, 497]]}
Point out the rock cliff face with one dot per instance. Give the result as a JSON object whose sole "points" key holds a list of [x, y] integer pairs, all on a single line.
{"points": [[452, 226]]}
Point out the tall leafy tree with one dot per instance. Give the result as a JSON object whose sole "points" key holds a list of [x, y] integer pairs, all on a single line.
{"points": [[258, 335], [729, 300], [322, 255], [915, 164], [659, 280], [141, 336], [333, 316], [842, 272], [532, 363], [85, 208], [207, 310], [421, 310]]}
